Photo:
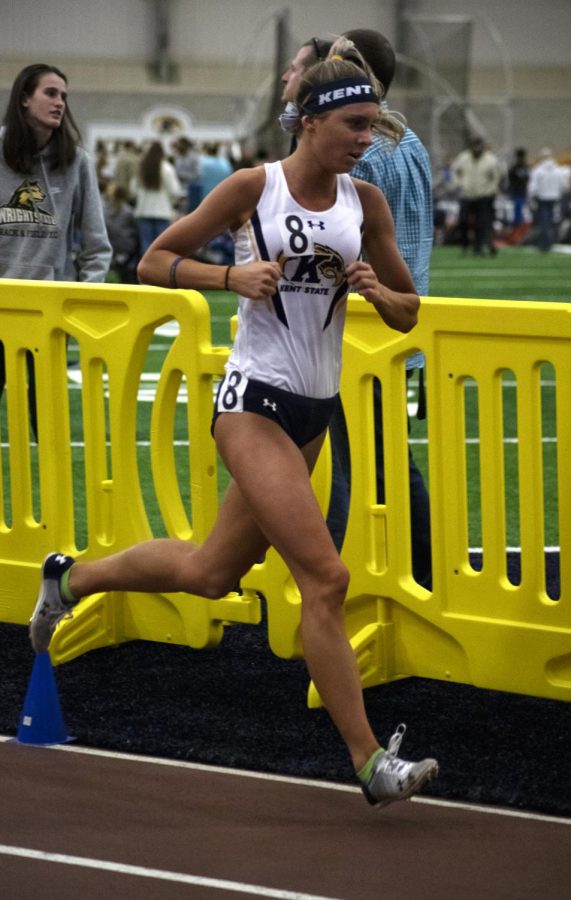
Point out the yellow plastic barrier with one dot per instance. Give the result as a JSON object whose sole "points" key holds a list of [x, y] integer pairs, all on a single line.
{"points": [[113, 327], [474, 627]]}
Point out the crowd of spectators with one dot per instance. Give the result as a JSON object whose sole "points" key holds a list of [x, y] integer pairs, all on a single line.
{"points": [[482, 202], [146, 187]]}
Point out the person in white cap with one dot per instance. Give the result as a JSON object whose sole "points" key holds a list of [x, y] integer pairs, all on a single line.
{"points": [[547, 184]]}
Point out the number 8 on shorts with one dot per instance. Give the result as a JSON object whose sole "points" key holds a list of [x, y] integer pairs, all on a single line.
{"points": [[231, 392]]}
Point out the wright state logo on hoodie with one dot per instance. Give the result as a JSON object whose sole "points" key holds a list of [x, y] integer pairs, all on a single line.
{"points": [[23, 207]]}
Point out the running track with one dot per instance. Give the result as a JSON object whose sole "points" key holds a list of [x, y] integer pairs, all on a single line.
{"points": [[85, 823]]}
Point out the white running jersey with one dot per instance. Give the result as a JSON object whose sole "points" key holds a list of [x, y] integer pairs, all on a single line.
{"points": [[293, 340]]}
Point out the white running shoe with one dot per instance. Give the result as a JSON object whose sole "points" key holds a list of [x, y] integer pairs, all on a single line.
{"points": [[396, 779], [51, 606]]}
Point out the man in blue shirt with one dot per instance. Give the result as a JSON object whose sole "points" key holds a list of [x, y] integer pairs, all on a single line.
{"points": [[404, 174]]}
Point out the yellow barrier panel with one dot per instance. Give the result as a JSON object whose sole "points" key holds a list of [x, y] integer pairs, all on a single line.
{"points": [[474, 626], [113, 327]]}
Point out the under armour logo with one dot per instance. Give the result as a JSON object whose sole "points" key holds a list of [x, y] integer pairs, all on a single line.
{"points": [[273, 406], [312, 225]]}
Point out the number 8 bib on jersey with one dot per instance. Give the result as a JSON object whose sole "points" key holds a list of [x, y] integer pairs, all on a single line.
{"points": [[297, 232]]}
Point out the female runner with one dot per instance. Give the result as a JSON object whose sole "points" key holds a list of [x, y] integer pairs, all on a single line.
{"points": [[299, 227]]}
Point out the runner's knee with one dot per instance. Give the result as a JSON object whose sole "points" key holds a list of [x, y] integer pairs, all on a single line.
{"points": [[328, 587]]}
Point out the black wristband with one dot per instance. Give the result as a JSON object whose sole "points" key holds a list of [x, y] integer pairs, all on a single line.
{"points": [[226, 288], [172, 271]]}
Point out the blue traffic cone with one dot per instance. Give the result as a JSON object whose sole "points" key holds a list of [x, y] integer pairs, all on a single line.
{"points": [[41, 721]]}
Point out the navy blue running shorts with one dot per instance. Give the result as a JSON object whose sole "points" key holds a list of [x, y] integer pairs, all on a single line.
{"points": [[302, 418]]}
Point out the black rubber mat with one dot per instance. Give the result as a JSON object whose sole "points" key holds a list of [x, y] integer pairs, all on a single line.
{"points": [[241, 706]]}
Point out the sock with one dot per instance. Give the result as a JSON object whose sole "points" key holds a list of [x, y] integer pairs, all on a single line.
{"points": [[365, 773], [64, 587]]}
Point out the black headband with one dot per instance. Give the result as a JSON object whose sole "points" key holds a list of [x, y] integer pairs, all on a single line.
{"points": [[328, 96]]}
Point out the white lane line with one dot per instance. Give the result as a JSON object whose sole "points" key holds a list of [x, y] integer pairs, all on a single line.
{"points": [[104, 865], [493, 811], [419, 441], [288, 779], [476, 440], [147, 389], [79, 445]]}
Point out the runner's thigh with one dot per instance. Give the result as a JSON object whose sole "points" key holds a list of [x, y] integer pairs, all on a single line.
{"points": [[273, 477]]}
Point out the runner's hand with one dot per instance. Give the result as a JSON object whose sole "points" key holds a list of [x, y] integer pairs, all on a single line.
{"points": [[362, 280], [257, 280]]}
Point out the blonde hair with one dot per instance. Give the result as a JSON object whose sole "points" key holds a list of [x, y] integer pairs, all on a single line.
{"points": [[345, 61]]}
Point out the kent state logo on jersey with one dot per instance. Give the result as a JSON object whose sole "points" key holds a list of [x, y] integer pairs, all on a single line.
{"points": [[322, 263]]}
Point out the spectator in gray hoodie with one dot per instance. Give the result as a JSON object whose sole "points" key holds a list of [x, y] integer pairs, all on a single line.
{"points": [[51, 216]]}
